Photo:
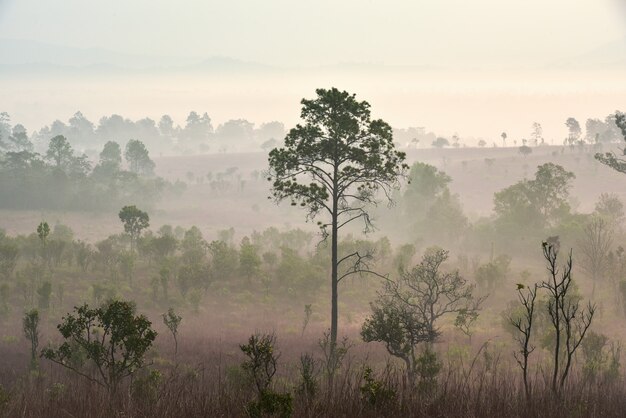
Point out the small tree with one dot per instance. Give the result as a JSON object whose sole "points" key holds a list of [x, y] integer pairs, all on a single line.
{"points": [[172, 321], [43, 231], [135, 221], [249, 259], [465, 321], [138, 158], [440, 142], [30, 324], [112, 337], [111, 155], [525, 150], [260, 366], [569, 321], [595, 246], [308, 385], [523, 325], [399, 328], [408, 310], [60, 152], [433, 293], [537, 134]]}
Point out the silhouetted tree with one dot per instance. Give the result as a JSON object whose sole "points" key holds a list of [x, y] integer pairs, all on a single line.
{"points": [[30, 325], [135, 221], [335, 164], [166, 126], [172, 322], [525, 150], [537, 134], [111, 154], [523, 325], [569, 322], [138, 158], [440, 142], [538, 202], [60, 152], [574, 131]]}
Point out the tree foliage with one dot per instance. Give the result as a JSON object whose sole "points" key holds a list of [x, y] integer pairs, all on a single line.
{"points": [[138, 158], [610, 158], [112, 337], [135, 220], [64, 179], [336, 163], [539, 202], [409, 309]]}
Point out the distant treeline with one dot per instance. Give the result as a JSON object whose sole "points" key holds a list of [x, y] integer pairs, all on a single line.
{"points": [[196, 135], [60, 178], [199, 135]]}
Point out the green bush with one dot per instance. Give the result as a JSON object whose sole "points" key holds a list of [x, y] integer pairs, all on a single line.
{"points": [[374, 392]]}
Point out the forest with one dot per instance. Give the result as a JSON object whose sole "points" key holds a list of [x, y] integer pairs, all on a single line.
{"points": [[341, 267]]}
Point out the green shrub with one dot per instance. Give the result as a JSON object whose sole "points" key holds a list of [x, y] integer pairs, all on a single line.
{"points": [[271, 403], [374, 392]]}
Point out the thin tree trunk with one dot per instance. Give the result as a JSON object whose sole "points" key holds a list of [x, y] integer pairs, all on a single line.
{"points": [[334, 287], [334, 313], [557, 347]]}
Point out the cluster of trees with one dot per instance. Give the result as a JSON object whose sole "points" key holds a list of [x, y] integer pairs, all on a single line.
{"points": [[182, 265], [198, 134], [427, 212], [164, 136], [61, 178], [538, 203], [429, 208], [597, 132]]}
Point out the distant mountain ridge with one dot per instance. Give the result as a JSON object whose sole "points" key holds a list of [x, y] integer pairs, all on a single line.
{"points": [[34, 56], [27, 56]]}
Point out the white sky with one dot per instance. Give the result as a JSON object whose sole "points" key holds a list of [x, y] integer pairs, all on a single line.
{"points": [[318, 32], [514, 35]]}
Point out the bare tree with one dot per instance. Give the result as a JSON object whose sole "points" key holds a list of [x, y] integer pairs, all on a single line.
{"points": [[569, 321], [434, 293], [524, 325]]}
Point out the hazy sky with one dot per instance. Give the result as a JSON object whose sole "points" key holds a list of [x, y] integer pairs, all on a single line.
{"points": [[318, 32], [514, 35]]}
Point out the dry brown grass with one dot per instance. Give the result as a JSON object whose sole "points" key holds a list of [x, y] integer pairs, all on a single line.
{"points": [[205, 381]]}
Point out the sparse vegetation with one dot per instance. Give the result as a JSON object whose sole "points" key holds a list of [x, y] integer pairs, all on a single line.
{"points": [[437, 336]]}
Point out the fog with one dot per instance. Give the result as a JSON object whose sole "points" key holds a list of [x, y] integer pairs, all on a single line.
{"points": [[481, 103], [276, 209]]}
